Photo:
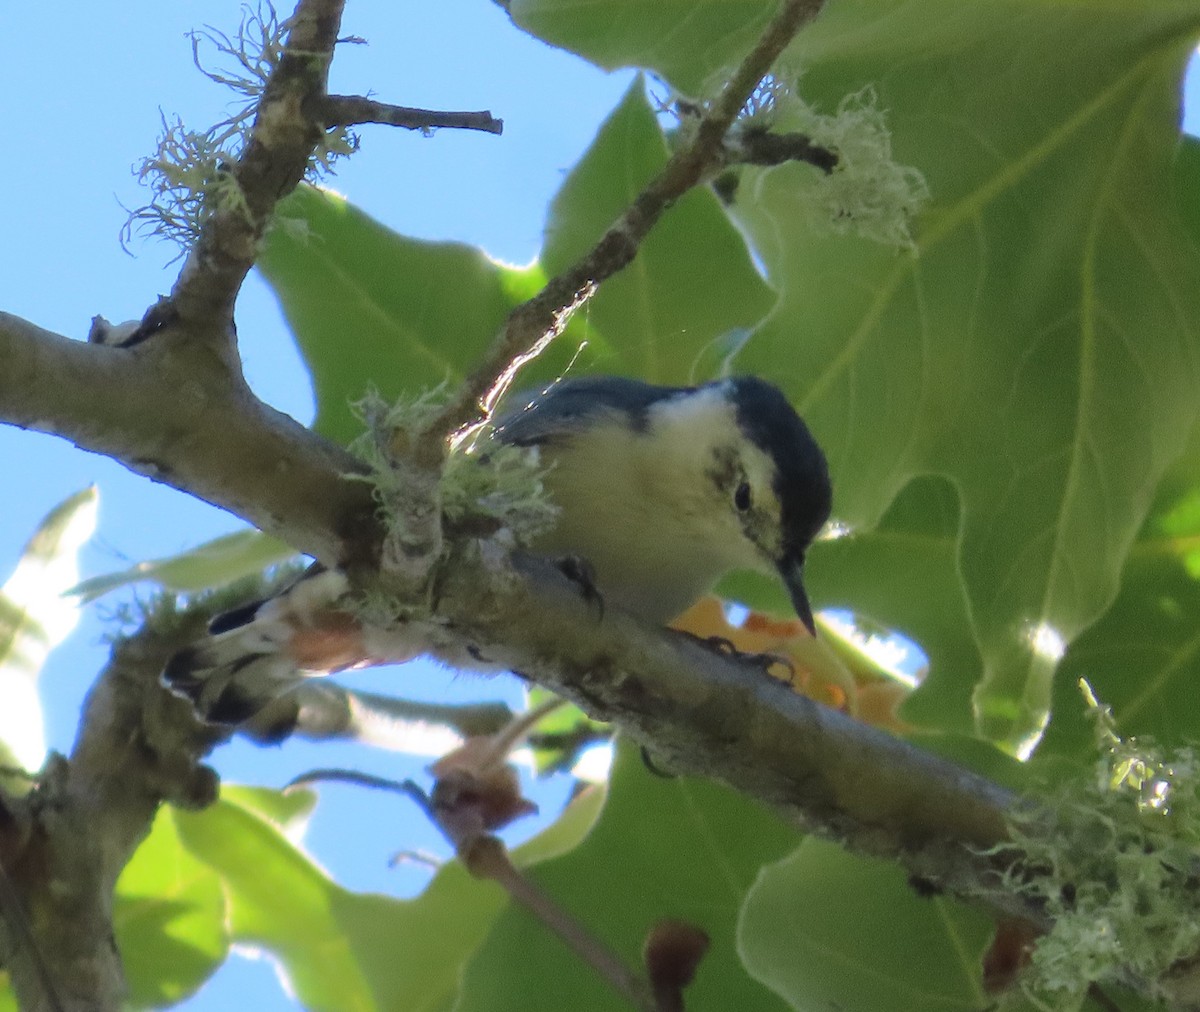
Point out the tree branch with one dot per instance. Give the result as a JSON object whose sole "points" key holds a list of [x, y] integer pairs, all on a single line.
{"points": [[532, 325], [711, 715], [137, 747], [761, 147], [274, 160], [352, 110], [172, 410]]}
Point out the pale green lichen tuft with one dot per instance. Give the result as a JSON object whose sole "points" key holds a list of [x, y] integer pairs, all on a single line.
{"points": [[1116, 870], [486, 486], [868, 192], [188, 180], [188, 173]]}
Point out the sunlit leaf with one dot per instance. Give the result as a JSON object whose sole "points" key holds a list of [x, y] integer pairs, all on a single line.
{"points": [[35, 616], [289, 810], [683, 40], [213, 564], [370, 308], [1142, 658], [341, 950], [1035, 350], [169, 913]]}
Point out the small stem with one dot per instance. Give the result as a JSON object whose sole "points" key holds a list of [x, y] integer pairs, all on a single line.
{"points": [[353, 110], [327, 775], [487, 858], [509, 737]]}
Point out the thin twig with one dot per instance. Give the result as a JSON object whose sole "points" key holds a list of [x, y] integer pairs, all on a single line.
{"points": [[325, 775], [532, 325], [511, 736], [761, 147], [353, 110], [488, 858], [485, 856]]}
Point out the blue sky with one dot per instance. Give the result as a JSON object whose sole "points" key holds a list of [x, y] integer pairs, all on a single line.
{"points": [[84, 107]]}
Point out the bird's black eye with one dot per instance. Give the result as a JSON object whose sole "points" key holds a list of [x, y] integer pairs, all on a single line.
{"points": [[741, 498]]}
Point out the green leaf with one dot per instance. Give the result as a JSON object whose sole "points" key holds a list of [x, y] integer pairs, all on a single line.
{"points": [[1038, 350], [169, 916], [279, 899], [289, 810], [369, 307], [343, 951], [213, 564], [1142, 659], [685, 41], [35, 617], [827, 929], [662, 848], [664, 316]]}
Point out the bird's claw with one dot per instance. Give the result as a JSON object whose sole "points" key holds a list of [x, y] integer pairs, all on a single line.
{"points": [[583, 574], [765, 662]]}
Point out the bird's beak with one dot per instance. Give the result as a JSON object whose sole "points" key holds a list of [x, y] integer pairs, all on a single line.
{"points": [[792, 571]]}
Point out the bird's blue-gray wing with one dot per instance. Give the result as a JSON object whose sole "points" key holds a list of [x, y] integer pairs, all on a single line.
{"points": [[540, 416]]}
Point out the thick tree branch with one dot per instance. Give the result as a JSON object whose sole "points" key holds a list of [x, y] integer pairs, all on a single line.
{"points": [[704, 713], [173, 410], [533, 324], [353, 110], [137, 747]]}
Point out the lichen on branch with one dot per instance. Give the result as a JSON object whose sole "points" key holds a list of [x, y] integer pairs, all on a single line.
{"points": [[482, 488], [189, 173], [864, 191], [1116, 860]]}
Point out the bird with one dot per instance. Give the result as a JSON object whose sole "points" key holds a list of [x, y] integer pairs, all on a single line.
{"points": [[660, 492]]}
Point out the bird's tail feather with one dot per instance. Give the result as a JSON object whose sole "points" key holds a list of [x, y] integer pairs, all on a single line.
{"points": [[258, 651]]}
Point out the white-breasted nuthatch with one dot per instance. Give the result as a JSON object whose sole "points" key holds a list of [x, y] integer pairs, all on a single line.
{"points": [[661, 491]]}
